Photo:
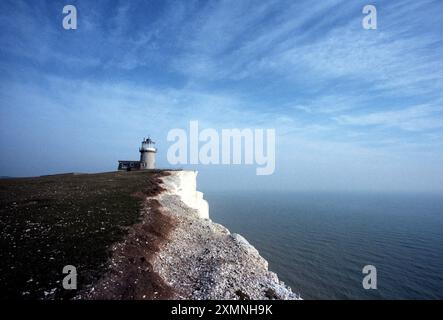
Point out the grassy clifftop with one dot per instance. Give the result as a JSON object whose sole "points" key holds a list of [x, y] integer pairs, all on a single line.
{"points": [[52, 221]]}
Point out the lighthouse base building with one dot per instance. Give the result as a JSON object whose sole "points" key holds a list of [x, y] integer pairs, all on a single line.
{"points": [[147, 158]]}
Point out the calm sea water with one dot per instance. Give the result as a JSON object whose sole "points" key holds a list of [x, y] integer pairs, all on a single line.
{"points": [[318, 243]]}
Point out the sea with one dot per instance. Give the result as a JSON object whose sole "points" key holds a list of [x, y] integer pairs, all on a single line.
{"points": [[319, 242]]}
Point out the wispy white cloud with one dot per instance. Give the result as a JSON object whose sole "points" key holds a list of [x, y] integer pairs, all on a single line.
{"points": [[415, 118]]}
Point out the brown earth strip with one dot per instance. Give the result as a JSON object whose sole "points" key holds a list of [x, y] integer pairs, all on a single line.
{"points": [[131, 275]]}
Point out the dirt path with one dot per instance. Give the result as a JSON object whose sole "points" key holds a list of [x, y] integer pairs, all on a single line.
{"points": [[131, 275]]}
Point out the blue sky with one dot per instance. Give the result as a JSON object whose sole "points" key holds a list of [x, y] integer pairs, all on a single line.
{"points": [[353, 109]]}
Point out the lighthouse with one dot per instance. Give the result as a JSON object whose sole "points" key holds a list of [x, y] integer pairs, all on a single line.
{"points": [[147, 154]]}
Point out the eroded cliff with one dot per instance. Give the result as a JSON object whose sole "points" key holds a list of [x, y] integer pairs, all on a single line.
{"points": [[202, 259]]}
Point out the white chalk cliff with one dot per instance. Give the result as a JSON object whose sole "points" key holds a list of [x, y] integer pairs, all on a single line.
{"points": [[202, 259], [184, 184]]}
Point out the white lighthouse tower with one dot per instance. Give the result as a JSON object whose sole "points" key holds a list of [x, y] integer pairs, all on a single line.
{"points": [[147, 154]]}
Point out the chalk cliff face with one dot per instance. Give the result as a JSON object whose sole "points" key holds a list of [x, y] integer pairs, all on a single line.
{"points": [[184, 185], [202, 259]]}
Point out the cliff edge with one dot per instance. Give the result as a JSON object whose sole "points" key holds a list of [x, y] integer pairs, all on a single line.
{"points": [[202, 259]]}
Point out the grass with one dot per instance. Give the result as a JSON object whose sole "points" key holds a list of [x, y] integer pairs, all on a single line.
{"points": [[52, 221]]}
